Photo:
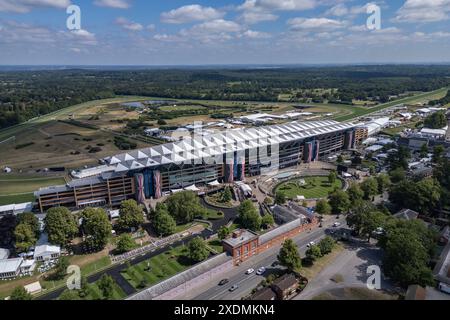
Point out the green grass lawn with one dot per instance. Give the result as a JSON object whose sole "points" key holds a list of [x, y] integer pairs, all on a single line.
{"points": [[422, 97], [18, 189], [216, 245], [96, 294], [162, 266], [19, 198], [316, 187]]}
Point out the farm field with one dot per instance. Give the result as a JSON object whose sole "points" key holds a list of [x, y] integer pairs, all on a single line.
{"points": [[315, 187]]}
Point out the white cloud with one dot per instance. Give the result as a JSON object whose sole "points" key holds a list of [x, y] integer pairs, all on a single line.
{"points": [[423, 11], [216, 26], [255, 11], [17, 34], [116, 4], [256, 17], [278, 5], [338, 10], [191, 13], [24, 6], [129, 25], [254, 35], [315, 24]]}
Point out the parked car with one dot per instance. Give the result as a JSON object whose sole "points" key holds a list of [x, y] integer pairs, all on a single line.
{"points": [[223, 282], [275, 264], [309, 245], [233, 288], [336, 224], [250, 271], [261, 271]]}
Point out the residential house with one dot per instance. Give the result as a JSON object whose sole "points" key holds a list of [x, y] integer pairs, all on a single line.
{"points": [[286, 286]]}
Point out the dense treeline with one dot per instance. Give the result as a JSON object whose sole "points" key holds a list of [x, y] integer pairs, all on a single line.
{"points": [[27, 94]]}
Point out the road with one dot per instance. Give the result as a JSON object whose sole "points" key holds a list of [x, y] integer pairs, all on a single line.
{"points": [[246, 283]]}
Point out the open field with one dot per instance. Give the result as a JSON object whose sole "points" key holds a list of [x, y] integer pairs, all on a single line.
{"points": [[158, 268], [315, 187], [423, 97], [48, 142]]}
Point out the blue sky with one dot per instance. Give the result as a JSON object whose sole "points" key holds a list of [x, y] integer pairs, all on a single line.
{"points": [[180, 32]]}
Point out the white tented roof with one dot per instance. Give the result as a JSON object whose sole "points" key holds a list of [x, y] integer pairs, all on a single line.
{"points": [[10, 265], [212, 144], [46, 250], [4, 254]]}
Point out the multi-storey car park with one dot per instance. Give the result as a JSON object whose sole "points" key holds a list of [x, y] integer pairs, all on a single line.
{"points": [[203, 159]]}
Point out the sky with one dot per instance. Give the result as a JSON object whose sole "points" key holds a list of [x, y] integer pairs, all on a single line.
{"points": [[220, 32]]}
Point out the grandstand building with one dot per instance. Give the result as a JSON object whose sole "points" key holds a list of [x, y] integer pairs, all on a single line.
{"points": [[200, 160]]}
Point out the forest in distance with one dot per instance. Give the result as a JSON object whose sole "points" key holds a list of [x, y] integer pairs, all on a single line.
{"points": [[25, 94]]}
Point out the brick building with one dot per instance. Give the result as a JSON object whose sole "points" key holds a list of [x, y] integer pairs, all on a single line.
{"points": [[242, 245]]}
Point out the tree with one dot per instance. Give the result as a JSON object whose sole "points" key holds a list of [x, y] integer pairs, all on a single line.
{"points": [[323, 207], [280, 198], [249, 216], [371, 221], [355, 193], [313, 253], [399, 159], [326, 245], [332, 177], [198, 251], [422, 196], [19, 293], [125, 243], [61, 268], [340, 159], [424, 150], [131, 215], [96, 227], [226, 195], [289, 256], [24, 236], [339, 202], [437, 120], [185, 206], [106, 285], [163, 223], [438, 152], [408, 246], [355, 218], [223, 232], [69, 295], [30, 219], [370, 188], [84, 287], [384, 182], [397, 175], [267, 221], [60, 226]]}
